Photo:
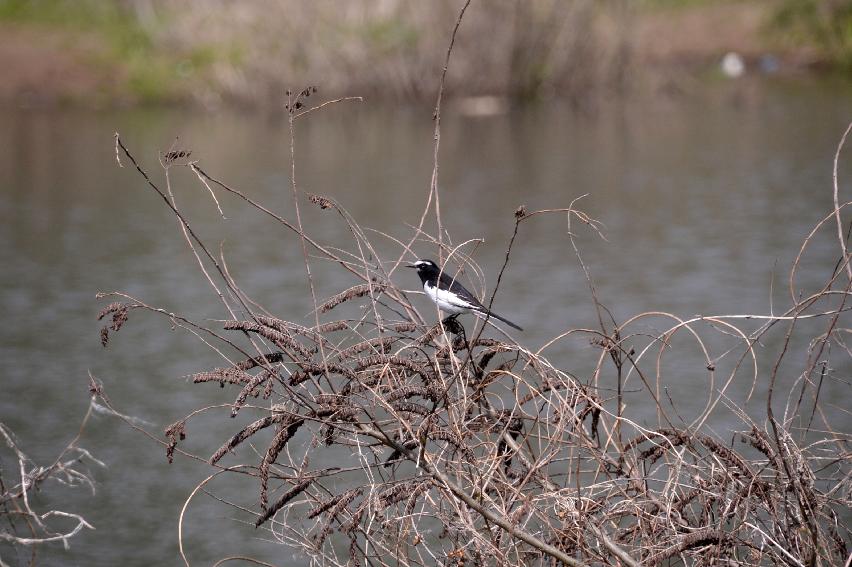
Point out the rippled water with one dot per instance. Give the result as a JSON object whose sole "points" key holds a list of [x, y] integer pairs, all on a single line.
{"points": [[705, 203]]}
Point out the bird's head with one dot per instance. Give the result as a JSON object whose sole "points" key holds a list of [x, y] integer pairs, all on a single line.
{"points": [[425, 269]]}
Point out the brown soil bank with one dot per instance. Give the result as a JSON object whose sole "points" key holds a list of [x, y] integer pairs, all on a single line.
{"points": [[251, 52]]}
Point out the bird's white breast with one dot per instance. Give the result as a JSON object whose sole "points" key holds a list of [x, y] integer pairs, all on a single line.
{"points": [[446, 301]]}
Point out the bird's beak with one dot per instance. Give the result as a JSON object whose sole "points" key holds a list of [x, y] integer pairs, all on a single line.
{"points": [[410, 265]]}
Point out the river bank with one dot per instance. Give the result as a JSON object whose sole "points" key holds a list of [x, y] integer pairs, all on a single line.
{"points": [[152, 52]]}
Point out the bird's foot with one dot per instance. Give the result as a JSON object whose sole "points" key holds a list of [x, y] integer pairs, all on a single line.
{"points": [[452, 325]]}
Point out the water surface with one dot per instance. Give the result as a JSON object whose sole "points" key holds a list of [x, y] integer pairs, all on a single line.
{"points": [[705, 203]]}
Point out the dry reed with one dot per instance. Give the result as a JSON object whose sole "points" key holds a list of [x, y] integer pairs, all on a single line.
{"points": [[26, 524], [516, 460], [557, 474]]}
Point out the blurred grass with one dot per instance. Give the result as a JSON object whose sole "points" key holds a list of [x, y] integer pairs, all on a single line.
{"points": [[822, 25], [128, 43], [164, 50], [249, 52], [677, 4], [80, 14]]}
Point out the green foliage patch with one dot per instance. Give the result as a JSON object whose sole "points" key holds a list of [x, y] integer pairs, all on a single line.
{"points": [[825, 25]]}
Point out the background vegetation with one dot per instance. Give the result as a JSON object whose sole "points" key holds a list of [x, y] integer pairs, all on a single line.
{"points": [[447, 430], [453, 447], [154, 51], [823, 26]]}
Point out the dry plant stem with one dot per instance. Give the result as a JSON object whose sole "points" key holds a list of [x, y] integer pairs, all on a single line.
{"points": [[324, 250], [81, 523], [291, 121], [190, 236], [184, 229], [63, 470], [837, 203], [843, 263], [196, 330], [515, 459], [500, 273], [183, 221], [616, 334], [198, 487], [833, 321], [243, 559], [458, 492], [363, 242], [433, 184], [804, 506], [193, 240], [328, 103]]}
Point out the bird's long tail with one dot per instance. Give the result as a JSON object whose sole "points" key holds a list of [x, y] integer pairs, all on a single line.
{"points": [[492, 314]]}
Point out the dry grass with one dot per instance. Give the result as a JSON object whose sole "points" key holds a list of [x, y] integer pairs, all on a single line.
{"points": [[393, 49], [26, 525], [455, 448]]}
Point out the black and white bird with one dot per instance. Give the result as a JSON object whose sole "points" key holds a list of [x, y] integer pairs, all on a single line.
{"points": [[450, 296]]}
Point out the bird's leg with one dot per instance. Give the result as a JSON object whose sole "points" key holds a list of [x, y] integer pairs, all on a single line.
{"points": [[452, 324]]}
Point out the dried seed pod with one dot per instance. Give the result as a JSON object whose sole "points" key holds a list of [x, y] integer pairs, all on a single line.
{"points": [[300, 487], [245, 433], [353, 292], [174, 432], [286, 430]]}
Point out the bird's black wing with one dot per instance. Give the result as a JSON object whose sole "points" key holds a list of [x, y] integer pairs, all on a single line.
{"points": [[453, 286]]}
